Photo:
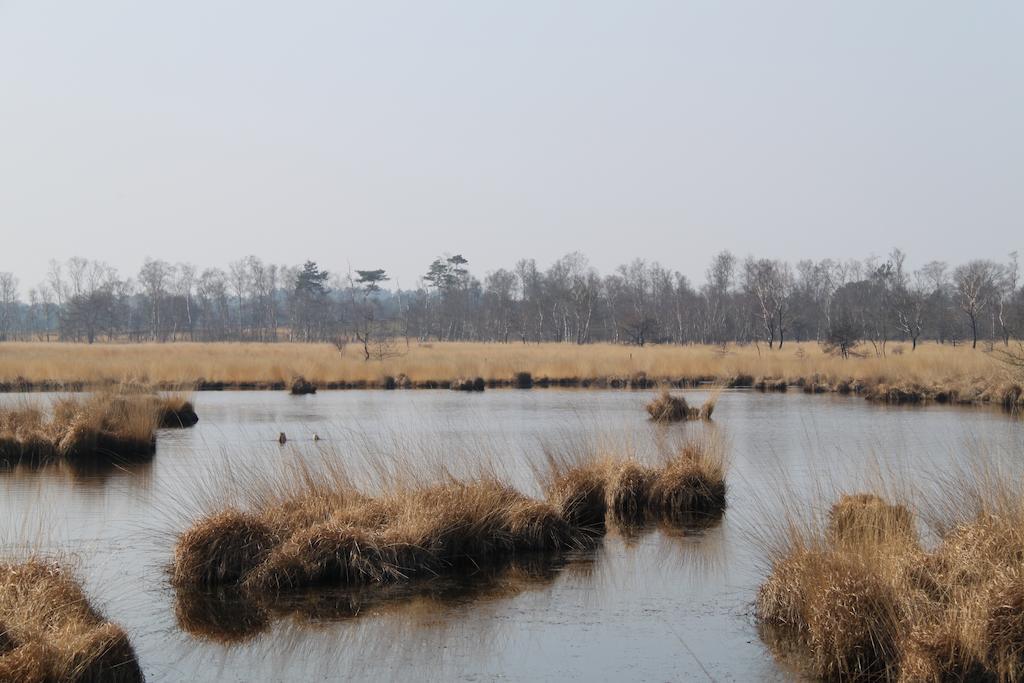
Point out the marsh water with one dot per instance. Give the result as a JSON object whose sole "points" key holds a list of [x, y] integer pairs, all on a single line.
{"points": [[659, 604]]}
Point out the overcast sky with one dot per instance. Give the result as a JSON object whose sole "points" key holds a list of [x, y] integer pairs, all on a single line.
{"points": [[381, 134]]}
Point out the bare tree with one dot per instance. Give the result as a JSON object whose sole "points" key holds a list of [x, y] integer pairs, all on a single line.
{"points": [[640, 302], [975, 284], [8, 304], [770, 284], [155, 277], [720, 277], [184, 287], [1006, 289], [910, 304], [238, 279]]}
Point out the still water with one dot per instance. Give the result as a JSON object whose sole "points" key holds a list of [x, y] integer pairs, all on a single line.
{"points": [[660, 605]]}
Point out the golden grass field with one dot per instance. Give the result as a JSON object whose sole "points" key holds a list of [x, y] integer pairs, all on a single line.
{"points": [[185, 363], [942, 372]]}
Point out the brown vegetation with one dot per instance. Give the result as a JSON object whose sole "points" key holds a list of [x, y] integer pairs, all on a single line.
{"points": [[863, 600], [467, 384], [103, 427], [321, 530], [669, 408], [689, 485], [301, 387], [50, 632], [341, 537], [176, 411], [933, 372]]}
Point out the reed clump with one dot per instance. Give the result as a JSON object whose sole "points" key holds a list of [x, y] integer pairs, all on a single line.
{"points": [[301, 386], [468, 384], [50, 632], [866, 518], [322, 530], [176, 411], [522, 380], [103, 427], [691, 482], [861, 599], [687, 486], [578, 492], [671, 408], [336, 535], [629, 490]]}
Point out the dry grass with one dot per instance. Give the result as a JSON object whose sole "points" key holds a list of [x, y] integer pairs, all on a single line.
{"points": [[107, 426], [688, 487], [175, 411], [341, 537], [669, 408], [314, 527], [859, 598], [932, 372], [49, 631], [468, 384]]}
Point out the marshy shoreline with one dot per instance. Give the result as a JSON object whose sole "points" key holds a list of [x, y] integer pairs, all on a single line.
{"points": [[932, 373], [442, 590]]}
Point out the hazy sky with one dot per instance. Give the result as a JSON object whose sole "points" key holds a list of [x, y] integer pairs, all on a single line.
{"points": [[381, 134]]}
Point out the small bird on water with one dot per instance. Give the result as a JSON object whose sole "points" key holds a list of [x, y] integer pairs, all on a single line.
{"points": [[281, 438]]}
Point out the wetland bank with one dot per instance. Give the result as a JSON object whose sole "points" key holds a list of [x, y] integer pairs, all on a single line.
{"points": [[657, 600], [521, 341]]}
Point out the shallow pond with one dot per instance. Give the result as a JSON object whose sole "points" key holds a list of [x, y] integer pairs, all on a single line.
{"points": [[660, 605]]}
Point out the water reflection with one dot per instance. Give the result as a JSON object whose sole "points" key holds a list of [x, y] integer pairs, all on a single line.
{"points": [[231, 616]]}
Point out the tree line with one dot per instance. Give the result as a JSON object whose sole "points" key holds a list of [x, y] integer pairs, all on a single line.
{"points": [[853, 306]]}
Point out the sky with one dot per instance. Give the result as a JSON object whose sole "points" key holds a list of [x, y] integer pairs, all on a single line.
{"points": [[383, 134]]}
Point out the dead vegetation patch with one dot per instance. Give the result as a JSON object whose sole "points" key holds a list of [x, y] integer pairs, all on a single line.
{"points": [[52, 633], [100, 428], [325, 532], [861, 599], [668, 408]]}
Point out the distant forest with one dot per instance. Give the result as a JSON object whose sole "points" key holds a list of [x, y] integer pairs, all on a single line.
{"points": [[853, 304]]}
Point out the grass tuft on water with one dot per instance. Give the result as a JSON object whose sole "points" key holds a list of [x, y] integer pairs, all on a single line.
{"points": [[668, 408], [104, 427], [50, 632], [318, 529], [859, 598]]}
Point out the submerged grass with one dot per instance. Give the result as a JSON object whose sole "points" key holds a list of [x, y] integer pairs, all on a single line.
{"points": [[859, 597], [50, 632]]}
